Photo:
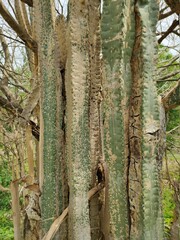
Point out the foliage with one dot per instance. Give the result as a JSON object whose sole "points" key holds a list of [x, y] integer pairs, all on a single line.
{"points": [[5, 179], [167, 65], [168, 207], [6, 225]]}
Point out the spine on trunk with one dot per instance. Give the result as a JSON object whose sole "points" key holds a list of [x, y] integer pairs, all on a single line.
{"points": [[77, 131], [117, 30], [152, 219]]}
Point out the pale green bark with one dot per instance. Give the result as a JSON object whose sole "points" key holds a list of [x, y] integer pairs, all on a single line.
{"points": [[152, 219], [94, 111], [51, 200], [116, 25], [78, 142], [145, 222]]}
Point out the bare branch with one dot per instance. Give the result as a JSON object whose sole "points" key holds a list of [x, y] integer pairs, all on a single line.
{"points": [[176, 32], [172, 98], [165, 15], [3, 189], [174, 157], [16, 110], [31, 43], [170, 30], [174, 5], [164, 78], [172, 130], [20, 86], [169, 80], [163, 9], [11, 38]]}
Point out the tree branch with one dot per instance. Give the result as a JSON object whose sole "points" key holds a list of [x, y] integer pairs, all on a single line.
{"points": [[176, 32], [165, 15], [19, 86], [31, 43], [170, 30], [164, 78], [174, 5], [172, 98], [28, 2], [172, 130], [11, 38], [169, 80], [16, 110], [3, 189], [171, 62]]}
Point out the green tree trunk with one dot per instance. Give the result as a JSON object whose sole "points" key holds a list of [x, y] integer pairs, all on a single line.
{"points": [[131, 130], [77, 134], [100, 125], [51, 119]]}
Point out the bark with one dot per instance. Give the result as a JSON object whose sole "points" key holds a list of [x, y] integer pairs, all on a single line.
{"points": [[16, 210], [95, 118], [98, 127], [50, 121], [77, 138], [117, 50], [152, 215], [142, 188]]}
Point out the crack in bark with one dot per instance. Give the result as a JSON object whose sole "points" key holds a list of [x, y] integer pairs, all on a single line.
{"points": [[135, 134]]}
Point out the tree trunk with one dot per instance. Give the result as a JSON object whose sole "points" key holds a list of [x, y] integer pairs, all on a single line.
{"points": [[51, 124], [77, 135], [99, 119]]}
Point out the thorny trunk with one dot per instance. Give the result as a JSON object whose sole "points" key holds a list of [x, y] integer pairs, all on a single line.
{"points": [[99, 120]]}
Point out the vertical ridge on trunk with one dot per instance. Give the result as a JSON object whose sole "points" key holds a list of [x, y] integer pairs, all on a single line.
{"points": [[50, 180], [94, 109], [135, 136], [116, 25], [77, 132], [144, 192], [152, 219]]}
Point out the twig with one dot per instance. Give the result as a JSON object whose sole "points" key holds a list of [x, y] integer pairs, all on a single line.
{"points": [[170, 63], [172, 130], [168, 175], [20, 86], [56, 224], [3, 189], [170, 29], [168, 76], [173, 156], [169, 80], [12, 38]]}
